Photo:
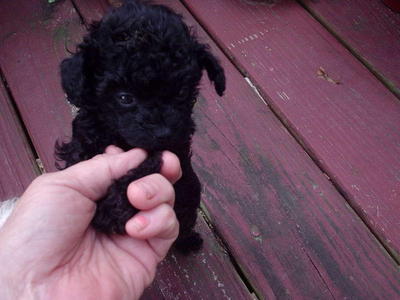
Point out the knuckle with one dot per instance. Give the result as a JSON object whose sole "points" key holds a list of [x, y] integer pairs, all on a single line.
{"points": [[147, 187], [44, 178], [170, 192], [158, 178], [98, 157], [158, 185], [170, 224], [168, 214]]}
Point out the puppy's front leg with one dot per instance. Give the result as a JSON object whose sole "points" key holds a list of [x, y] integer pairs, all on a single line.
{"points": [[187, 201], [114, 209]]}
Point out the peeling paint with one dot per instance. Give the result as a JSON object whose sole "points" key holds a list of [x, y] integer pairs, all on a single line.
{"points": [[255, 89], [246, 39], [283, 96]]}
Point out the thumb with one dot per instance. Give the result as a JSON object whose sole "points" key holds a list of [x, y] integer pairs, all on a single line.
{"points": [[93, 177]]}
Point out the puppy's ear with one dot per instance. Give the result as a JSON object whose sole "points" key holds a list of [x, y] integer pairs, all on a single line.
{"points": [[72, 78], [214, 70]]}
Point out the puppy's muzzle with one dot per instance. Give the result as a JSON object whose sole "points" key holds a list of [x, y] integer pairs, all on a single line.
{"points": [[162, 133]]}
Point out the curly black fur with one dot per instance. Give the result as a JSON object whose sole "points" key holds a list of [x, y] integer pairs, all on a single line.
{"points": [[135, 80]]}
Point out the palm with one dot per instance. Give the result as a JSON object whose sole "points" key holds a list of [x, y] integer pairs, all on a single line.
{"points": [[104, 266], [60, 256], [89, 261]]}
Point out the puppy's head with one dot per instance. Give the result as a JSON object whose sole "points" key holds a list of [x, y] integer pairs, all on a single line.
{"points": [[138, 71]]}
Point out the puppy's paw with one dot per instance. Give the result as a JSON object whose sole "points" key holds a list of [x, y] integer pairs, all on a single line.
{"points": [[113, 211], [187, 244]]}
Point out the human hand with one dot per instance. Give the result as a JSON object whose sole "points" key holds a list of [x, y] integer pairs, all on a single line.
{"points": [[49, 251]]}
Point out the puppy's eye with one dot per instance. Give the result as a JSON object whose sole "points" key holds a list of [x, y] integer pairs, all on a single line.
{"points": [[126, 99], [121, 37]]}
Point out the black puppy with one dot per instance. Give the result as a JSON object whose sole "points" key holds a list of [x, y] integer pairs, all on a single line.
{"points": [[135, 80]]}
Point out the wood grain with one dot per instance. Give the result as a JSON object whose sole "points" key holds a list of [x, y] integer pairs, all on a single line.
{"points": [[17, 162], [92, 10], [35, 58], [345, 118], [284, 223], [370, 29], [33, 41], [289, 229], [204, 275]]}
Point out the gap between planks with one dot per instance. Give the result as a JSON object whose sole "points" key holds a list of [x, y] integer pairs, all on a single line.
{"points": [[385, 81], [315, 160], [203, 213], [38, 162], [291, 131]]}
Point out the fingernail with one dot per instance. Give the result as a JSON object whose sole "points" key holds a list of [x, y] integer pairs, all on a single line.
{"points": [[111, 149], [139, 222]]}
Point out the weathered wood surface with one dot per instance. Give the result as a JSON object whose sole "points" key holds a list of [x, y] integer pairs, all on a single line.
{"points": [[204, 275], [17, 163], [35, 37], [289, 229], [37, 33], [370, 29], [345, 118], [284, 223], [92, 10]]}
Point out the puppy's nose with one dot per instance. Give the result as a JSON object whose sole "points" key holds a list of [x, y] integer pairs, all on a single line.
{"points": [[162, 133]]}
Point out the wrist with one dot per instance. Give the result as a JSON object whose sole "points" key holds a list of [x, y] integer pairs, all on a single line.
{"points": [[14, 281], [15, 288]]}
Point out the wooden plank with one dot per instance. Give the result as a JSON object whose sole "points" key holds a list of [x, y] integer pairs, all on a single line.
{"points": [[47, 116], [370, 29], [42, 33], [17, 163], [204, 275], [346, 119], [286, 225], [286, 263], [208, 274], [92, 10]]}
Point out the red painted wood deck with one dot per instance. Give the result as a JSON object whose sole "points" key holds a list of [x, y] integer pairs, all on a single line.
{"points": [[300, 159]]}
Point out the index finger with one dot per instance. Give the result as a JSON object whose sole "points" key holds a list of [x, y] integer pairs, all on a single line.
{"points": [[171, 167], [93, 177]]}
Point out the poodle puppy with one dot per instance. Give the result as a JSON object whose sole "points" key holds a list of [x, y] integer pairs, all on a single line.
{"points": [[135, 80]]}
